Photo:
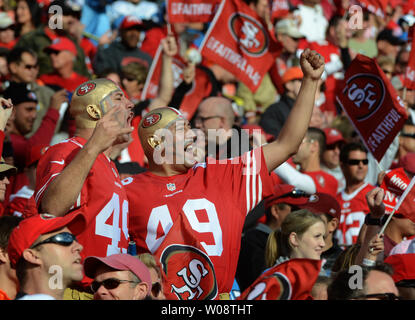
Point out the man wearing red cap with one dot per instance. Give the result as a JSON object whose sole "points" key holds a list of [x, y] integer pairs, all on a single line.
{"points": [[403, 274], [251, 263], [123, 51], [330, 160], [62, 53], [118, 277], [46, 255]]}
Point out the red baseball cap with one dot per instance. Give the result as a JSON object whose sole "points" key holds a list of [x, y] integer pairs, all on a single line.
{"points": [[322, 203], [333, 135], [408, 162], [403, 266], [61, 44], [132, 22], [35, 154], [286, 193], [292, 73], [121, 262], [29, 229]]}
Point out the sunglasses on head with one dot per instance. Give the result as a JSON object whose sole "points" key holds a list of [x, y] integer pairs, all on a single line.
{"points": [[408, 135], [109, 284], [355, 162], [63, 239]]}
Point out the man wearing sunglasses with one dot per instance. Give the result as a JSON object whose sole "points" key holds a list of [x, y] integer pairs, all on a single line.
{"points": [[118, 277], [354, 208], [46, 255]]}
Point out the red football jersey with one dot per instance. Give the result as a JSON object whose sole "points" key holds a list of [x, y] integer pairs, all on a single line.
{"points": [[325, 182], [290, 280], [353, 212], [102, 199], [213, 197]]}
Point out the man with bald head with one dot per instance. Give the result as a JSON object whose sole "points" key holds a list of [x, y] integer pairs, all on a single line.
{"points": [[190, 215], [216, 118]]}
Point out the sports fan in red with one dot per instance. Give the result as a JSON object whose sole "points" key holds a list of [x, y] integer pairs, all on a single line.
{"points": [[78, 175], [352, 200], [214, 196]]}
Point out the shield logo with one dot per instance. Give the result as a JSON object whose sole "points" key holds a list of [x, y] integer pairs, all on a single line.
{"points": [[367, 92], [171, 186], [249, 33]]}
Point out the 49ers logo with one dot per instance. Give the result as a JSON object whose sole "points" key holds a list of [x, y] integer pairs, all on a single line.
{"points": [[367, 92], [189, 272], [151, 120], [84, 89], [249, 33]]}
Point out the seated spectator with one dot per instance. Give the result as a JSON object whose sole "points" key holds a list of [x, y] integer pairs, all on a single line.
{"points": [[25, 103], [377, 283], [8, 279], [293, 250], [45, 243], [156, 278], [28, 15], [24, 68], [133, 78], [118, 277], [7, 27], [251, 261], [62, 53], [123, 51]]}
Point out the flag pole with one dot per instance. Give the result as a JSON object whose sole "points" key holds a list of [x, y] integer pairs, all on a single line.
{"points": [[408, 188]]}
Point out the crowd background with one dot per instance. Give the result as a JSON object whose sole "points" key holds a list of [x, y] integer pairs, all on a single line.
{"points": [[41, 65]]}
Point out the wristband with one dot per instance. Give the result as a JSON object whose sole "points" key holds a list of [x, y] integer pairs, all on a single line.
{"points": [[375, 221]]}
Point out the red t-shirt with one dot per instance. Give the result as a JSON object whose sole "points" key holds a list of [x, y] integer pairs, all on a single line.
{"points": [[69, 84], [214, 198], [354, 209], [102, 199]]}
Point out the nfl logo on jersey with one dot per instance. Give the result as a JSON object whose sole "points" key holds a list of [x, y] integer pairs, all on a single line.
{"points": [[171, 186]]}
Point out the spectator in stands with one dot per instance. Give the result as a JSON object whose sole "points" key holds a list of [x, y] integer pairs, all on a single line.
{"points": [[62, 53], [377, 283], [24, 68], [118, 277], [251, 261], [25, 103], [387, 64], [354, 164], [308, 157], [7, 31], [156, 277], [133, 78], [43, 36], [330, 160], [388, 44], [403, 274], [28, 15], [8, 279], [38, 246], [123, 51], [273, 119]]}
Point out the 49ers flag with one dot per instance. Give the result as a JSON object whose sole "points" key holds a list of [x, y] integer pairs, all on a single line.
{"points": [[372, 104], [185, 11], [187, 271], [238, 41]]}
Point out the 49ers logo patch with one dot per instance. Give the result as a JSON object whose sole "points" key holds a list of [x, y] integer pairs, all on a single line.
{"points": [[151, 120], [249, 33], [366, 92], [84, 89], [189, 273]]}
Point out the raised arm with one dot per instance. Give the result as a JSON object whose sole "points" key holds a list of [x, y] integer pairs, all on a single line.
{"points": [[294, 129], [63, 191]]}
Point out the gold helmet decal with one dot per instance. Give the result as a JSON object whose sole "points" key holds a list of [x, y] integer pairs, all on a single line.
{"points": [[160, 118], [89, 104]]}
